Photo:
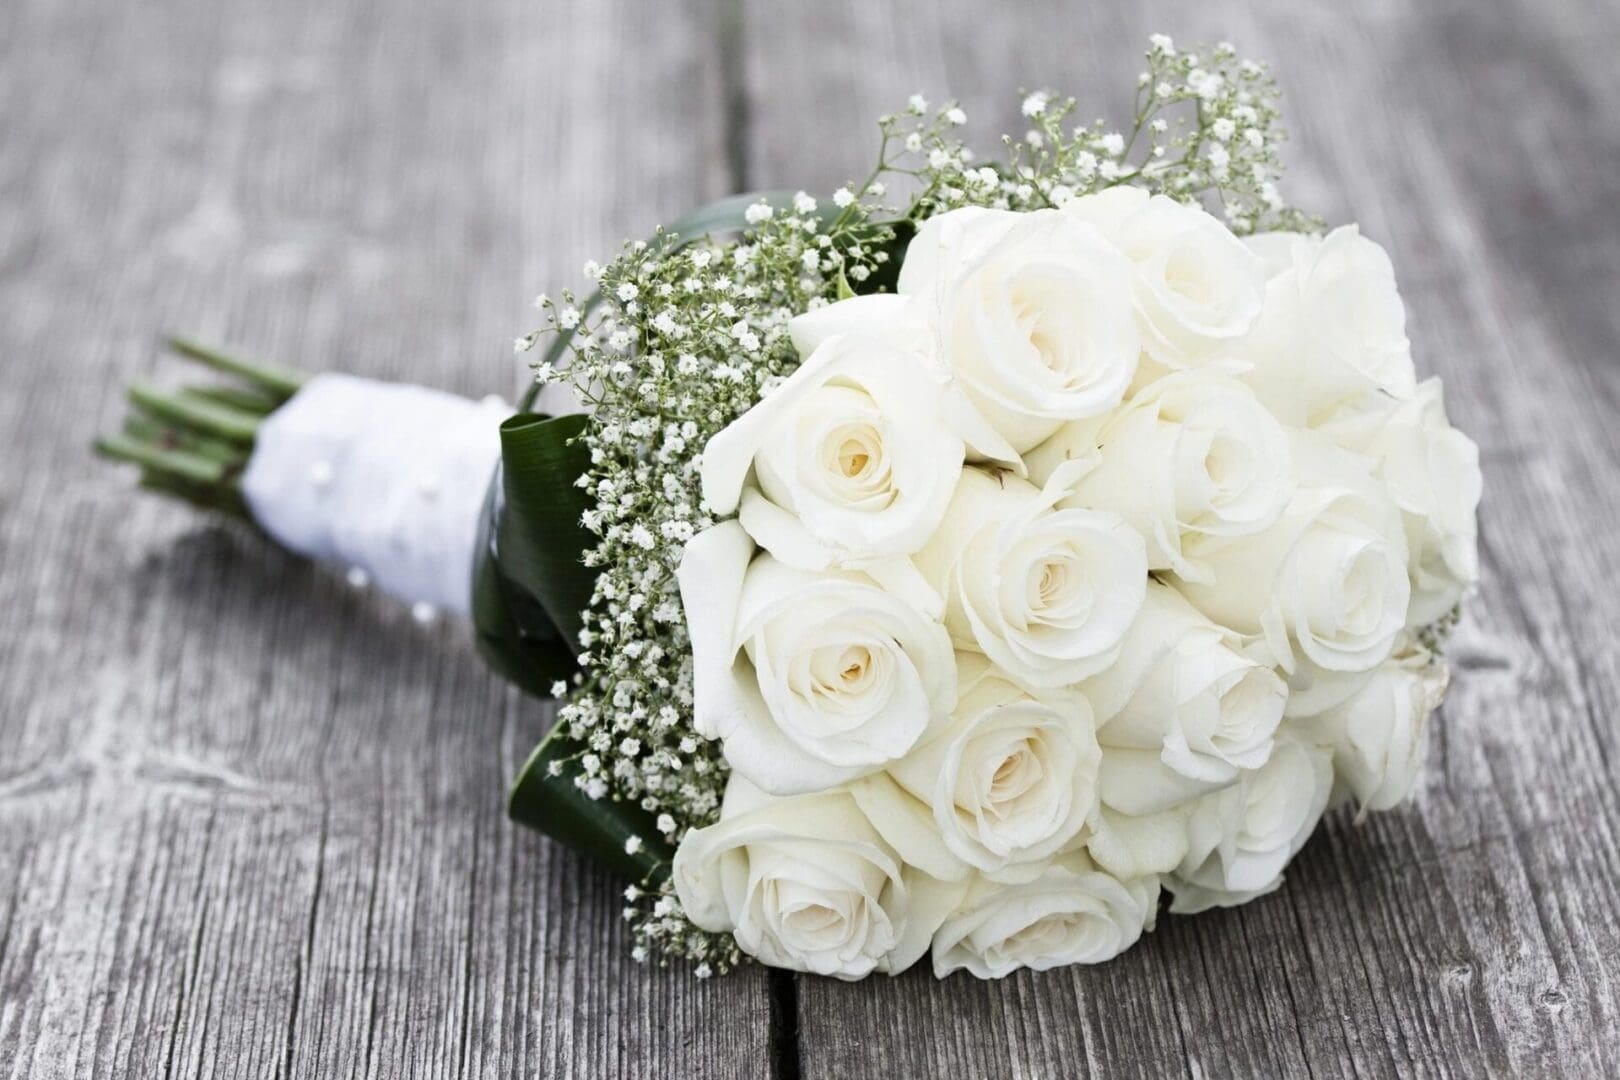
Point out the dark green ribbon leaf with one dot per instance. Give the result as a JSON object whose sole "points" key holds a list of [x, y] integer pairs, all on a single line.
{"points": [[513, 633], [530, 591], [530, 583], [540, 538], [599, 829]]}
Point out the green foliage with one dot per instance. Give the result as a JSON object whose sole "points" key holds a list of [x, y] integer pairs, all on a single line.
{"points": [[194, 443], [611, 831]]}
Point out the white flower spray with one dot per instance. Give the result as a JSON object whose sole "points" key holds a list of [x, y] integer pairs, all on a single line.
{"points": [[692, 332]]}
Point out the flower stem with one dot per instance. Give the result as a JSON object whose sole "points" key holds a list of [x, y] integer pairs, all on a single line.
{"points": [[194, 443], [281, 381], [189, 410], [181, 464]]}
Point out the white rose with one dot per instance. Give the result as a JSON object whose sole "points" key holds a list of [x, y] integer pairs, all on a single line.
{"points": [[1073, 913], [1313, 690], [1197, 289], [1182, 690], [1241, 837], [1378, 735], [1328, 581], [806, 883], [1333, 329], [808, 679], [1190, 461], [1432, 472], [1045, 593], [1137, 845], [1276, 249], [1033, 316], [851, 460], [895, 319], [1147, 792], [1004, 788]]}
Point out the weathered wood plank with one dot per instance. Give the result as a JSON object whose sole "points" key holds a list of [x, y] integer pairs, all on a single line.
{"points": [[250, 821], [1475, 931], [271, 846]]}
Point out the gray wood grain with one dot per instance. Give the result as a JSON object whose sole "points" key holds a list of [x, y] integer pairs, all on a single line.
{"points": [[1474, 932], [251, 822]]}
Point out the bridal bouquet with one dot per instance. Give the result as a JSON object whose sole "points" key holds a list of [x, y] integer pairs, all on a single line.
{"points": [[946, 578]]}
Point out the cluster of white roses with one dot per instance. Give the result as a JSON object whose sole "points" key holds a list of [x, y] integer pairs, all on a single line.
{"points": [[1090, 560]]}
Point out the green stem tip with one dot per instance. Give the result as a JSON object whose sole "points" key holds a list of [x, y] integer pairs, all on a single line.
{"points": [[281, 381], [194, 443], [190, 410]]}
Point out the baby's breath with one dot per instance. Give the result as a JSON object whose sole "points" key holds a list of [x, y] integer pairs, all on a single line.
{"points": [[691, 332], [1205, 130]]}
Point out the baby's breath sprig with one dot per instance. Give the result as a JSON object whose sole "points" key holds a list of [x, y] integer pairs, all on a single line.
{"points": [[688, 333], [1205, 130]]}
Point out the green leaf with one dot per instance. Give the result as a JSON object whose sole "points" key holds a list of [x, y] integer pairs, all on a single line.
{"points": [[596, 828], [530, 592], [512, 631], [539, 537], [530, 584]]}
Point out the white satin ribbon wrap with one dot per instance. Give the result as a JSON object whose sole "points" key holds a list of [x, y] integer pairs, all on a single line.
{"points": [[383, 480]]}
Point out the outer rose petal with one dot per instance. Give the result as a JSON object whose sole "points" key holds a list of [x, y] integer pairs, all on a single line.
{"points": [[711, 579], [948, 240], [873, 313]]}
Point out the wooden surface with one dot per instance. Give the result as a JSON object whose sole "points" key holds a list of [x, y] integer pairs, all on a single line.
{"points": [[250, 821]]}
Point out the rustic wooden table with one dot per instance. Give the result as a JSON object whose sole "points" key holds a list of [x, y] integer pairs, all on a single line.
{"points": [[251, 821]]}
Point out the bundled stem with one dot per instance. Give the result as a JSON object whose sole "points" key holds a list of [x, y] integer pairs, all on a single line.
{"points": [[194, 442]]}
